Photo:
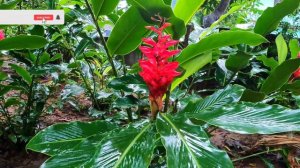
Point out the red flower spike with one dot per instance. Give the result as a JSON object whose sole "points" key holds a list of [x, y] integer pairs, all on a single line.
{"points": [[2, 35], [157, 72], [296, 74]]}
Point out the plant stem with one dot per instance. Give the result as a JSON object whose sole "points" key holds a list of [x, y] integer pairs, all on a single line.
{"points": [[256, 154], [167, 99], [129, 113], [102, 39]]}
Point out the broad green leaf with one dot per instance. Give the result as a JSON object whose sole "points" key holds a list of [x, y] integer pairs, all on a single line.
{"points": [[151, 8], [104, 7], [195, 52], [222, 39], [294, 48], [185, 10], [56, 57], [280, 75], [212, 26], [122, 148], [252, 118], [191, 66], [45, 58], [77, 156], [11, 101], [129, 83], [37, 30], [3, 76], [272, 16], [22, 72], [9, 5], [188, 146], [168, 2], [294, 87], [252, 96], [269, 62], [282, 48], [82, 46], [60, 137], [230, 94], [23, 42], [128, 32], [238, 61]]}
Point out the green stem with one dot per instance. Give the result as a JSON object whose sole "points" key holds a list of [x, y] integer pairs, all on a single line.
{"points": [[129, 113], [256, 154], [102, 39]]}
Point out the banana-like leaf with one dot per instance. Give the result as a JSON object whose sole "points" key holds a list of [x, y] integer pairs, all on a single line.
{"points": [[104, 7], [23, 42], [272, 16], [60, 137], [121, 148], [188, 146], [185, 10], [230, 94], [251, 118]]}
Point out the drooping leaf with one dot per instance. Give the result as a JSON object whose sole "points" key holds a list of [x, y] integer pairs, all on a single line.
{"points": [[187, 144], [82, 46], [251, 118], [252, 96], [272, 16], [281, 48], [280, 75], [230, 94], [194, 52], [294, 48], [191, 66], [104, 7], [22, 42], [22, 72], [60, 137], [268, 61], [185, 10], [152, 8], [238, 61], [128, 32], [219, 40], [9, 5]]}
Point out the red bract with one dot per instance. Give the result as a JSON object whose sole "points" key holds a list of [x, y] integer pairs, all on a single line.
{"points": [[2, 35], [296, 74], [157, 72]]}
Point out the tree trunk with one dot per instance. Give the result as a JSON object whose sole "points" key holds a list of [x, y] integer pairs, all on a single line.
{"points": [[220, 10]]}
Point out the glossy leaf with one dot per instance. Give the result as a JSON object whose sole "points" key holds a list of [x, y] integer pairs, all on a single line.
{"points": [[129, 83], [252, 96], [191, 66], [22, 42], [272, 16], [185, 10], [9, 5], [104, 7], [187, 144], [238, 61], [268, 61], [151, 8], [280, 75], [121, 148], [252, 118], [294, 48], [281, 48], [22, 72], [223, 39], [230, 94], [128, 32], [45, 58], [60, 137], [82, 46]]}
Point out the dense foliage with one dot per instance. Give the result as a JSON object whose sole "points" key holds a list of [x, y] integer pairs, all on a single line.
{"points": [[158, 81]]}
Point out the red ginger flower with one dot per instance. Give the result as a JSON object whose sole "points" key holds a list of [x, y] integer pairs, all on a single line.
{"points": [[157, 72], [296, 74], [2, 35]]}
